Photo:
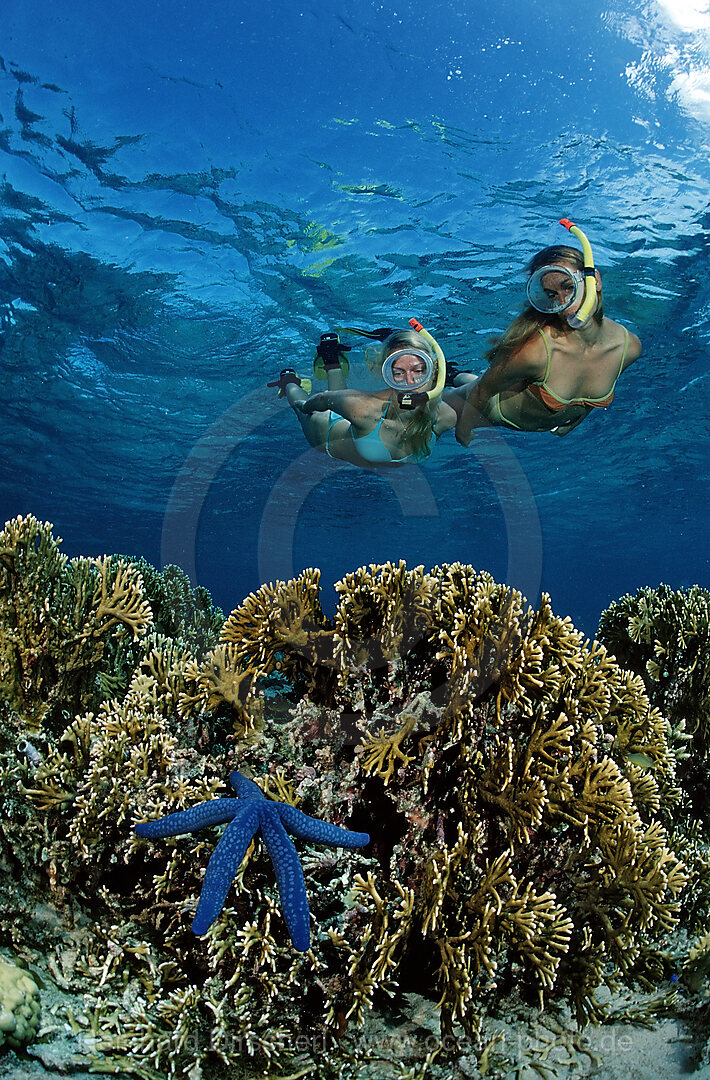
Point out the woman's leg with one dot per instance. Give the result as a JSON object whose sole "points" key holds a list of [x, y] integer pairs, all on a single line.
{"points": [[458, 399], [336, 379], [314, 425]]}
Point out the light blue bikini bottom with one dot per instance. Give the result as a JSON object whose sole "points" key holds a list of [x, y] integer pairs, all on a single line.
{"points": [[332, 421]]}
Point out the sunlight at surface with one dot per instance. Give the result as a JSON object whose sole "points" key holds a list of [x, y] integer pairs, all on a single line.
{"points": [[688, 15], [678, 54]]}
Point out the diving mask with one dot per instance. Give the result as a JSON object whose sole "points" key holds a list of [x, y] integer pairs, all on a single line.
{"points": [[554, 288], [408, 369]]}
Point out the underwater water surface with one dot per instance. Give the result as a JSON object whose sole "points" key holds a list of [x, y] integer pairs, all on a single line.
{"points": [[190, 197]]}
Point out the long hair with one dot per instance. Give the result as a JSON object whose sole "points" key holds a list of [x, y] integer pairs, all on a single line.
{"points": [[423, 417], [530, 320], [420, 429]]}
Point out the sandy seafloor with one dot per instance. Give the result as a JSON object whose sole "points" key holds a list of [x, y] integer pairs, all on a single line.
{"points": [[523, 1047], [516, 1043]]}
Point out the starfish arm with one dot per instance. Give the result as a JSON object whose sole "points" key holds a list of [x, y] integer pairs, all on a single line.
{"points": [[289, 878], [222, 868], [320, 832], [213, 812], [245, 788]]}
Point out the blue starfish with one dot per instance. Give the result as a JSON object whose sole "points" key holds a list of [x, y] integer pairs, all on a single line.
{"points": [[247, 814]]}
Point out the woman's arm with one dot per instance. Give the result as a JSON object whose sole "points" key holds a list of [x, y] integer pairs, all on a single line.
{"points": [[445, 419], [523, 366], [357, 406]]}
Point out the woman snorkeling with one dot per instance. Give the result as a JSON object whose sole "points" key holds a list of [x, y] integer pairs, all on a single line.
{"points": [[398, 425], [557, 361]]}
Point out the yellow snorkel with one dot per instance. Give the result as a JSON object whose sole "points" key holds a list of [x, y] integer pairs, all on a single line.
{"points": [[590, 277], [438, 388]]}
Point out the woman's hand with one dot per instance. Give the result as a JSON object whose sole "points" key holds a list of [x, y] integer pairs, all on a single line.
{"points": [[316, 403]]}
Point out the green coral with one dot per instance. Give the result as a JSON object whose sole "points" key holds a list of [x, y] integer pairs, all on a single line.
{"points": [[663, 635], [184, 614], [19, 1007]]}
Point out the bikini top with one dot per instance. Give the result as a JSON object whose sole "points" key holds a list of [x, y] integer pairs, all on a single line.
{"points": [[540, 390], [371, 448]]}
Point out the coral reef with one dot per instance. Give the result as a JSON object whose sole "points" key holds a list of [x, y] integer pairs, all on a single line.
{"points": [[500, 749], [57, 618], [19, 1006], [517, 785], [664, 635]]}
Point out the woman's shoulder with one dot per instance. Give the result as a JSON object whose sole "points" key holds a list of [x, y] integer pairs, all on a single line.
{"points": [[531, 355], [617, 334]]}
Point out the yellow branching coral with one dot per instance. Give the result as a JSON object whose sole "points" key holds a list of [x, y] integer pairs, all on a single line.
{"points": [[537, 768], [372, 966], [163, 673], [492, 638], [521, 800], [383, 612], [639, 863], [540, 929], [441, 869], [513, 778], [281, 627], [108, 764], [57, 619], [456, 977], [118, 598], [221, 679], [380, 753]]}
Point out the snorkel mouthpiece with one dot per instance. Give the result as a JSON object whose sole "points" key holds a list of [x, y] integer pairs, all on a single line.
{"points": [[590, 280]]}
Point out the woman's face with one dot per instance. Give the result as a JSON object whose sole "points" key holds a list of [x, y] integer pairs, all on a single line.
{"points": [[408, 370], [560, 288]]}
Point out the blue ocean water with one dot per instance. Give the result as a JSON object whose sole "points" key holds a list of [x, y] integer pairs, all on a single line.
{"points": [[192, 194]]}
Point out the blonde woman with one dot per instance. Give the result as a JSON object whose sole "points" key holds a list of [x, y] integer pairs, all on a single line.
{"points": [[398, 425]]}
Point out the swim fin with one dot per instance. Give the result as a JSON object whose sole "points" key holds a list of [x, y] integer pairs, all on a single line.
{"points": [[331, 355], [288, 375]]}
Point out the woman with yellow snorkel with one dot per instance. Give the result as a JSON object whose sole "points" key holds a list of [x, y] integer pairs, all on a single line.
{"points": [[397, 425], [557, 361]]}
